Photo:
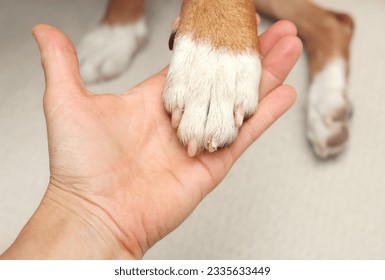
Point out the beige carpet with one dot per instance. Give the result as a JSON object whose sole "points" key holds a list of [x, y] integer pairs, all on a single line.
{"points": [[278, 202]]}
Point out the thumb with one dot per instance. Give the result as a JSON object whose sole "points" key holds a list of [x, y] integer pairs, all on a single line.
{"points": [[59, 61]]}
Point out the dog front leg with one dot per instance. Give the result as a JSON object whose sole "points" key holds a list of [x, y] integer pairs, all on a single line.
{"points": [[213, 80], [327, 36]]}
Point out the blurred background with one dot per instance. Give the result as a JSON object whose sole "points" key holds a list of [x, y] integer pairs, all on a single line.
{"points": [[278, 202]]}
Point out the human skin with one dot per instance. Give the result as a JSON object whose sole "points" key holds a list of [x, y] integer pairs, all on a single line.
{"points": [[119, 178]]}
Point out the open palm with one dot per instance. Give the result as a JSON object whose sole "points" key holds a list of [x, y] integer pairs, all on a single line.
{"points": [[120, 153]]}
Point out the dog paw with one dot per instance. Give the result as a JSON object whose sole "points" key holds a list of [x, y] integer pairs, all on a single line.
{"points": [[106, 51], [329, 110], [209, 92]]}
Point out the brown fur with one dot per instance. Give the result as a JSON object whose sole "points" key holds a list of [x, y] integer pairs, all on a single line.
{"points": [[123, 11], [225, 24]]}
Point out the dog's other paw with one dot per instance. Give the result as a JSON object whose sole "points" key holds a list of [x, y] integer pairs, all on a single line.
{"points": [[106, 51], [329, 110], [209, 92]]}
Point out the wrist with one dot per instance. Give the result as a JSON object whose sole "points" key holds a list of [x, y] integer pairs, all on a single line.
{"points": [[67, 226]]}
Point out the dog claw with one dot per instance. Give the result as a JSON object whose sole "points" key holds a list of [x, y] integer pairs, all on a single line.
{"points": [[176, 118], [192, 148], [239, 116], [212, 146]]}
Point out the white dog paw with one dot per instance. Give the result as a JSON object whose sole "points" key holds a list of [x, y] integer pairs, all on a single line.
{"points": [[329, 110], [106, 51], [209, 92]]}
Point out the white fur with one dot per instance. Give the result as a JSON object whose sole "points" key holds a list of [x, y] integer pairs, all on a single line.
{"points": [[106, 51], [327, 96], [208, 85]]}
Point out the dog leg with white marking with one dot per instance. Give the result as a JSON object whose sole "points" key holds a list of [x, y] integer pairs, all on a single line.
{"points": [[327, 36], [213, 80], [106, 51]]}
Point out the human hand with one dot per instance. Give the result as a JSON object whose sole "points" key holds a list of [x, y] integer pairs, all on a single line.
{"points": [[116, 159]]}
